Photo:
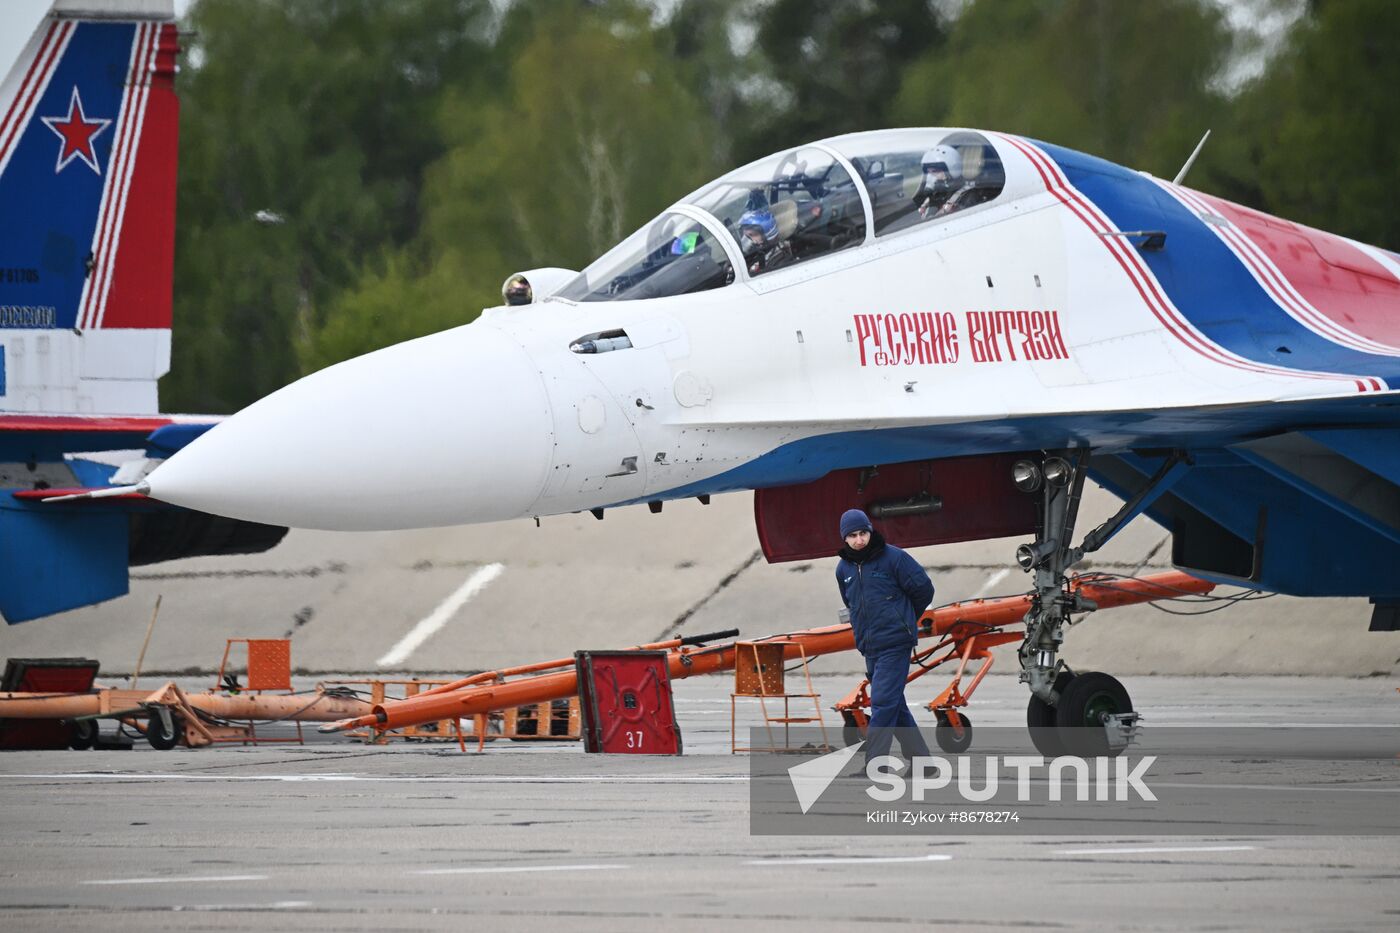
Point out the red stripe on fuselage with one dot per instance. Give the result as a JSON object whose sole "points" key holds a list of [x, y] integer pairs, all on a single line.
{"points": [[1115, 245], [1143, 281], [1342, 282], [1271, 278]]}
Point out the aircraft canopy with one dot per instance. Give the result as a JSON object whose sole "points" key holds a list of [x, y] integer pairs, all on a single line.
{"points": [[795, 206]]}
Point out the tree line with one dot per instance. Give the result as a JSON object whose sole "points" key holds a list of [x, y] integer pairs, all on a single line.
{"points": [[354, 173]]}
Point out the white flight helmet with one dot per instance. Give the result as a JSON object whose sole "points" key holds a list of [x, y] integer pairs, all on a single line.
{"points": [[944, 157]]}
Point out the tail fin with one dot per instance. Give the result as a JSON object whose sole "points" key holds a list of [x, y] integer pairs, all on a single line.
{"points": [[88, 131]]}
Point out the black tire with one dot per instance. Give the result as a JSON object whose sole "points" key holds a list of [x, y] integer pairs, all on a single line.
{"points": [[850, 732], [1080, 714], [161, 739], [948, 739], [82, 734], [1041, 719]]}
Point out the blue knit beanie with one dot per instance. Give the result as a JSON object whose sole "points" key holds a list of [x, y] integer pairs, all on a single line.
{"points": [[854, 520]]}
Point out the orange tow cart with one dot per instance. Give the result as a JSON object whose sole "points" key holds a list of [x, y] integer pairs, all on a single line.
{"points": [[965, 631]]}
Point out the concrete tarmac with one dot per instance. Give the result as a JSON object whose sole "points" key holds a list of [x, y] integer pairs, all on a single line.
{"points": [[340, 836]]}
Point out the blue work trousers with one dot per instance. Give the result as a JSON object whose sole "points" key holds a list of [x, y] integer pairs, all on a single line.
{"points": [[890, 717]]}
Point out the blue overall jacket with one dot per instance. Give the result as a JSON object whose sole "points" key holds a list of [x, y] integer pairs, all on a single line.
{"points": [[886, 591]]}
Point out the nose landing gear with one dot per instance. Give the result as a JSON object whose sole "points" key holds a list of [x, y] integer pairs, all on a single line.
{"points": [[1088, 714]]}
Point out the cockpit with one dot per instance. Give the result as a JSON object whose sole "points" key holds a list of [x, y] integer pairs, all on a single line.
{"points": [[797, 206]]}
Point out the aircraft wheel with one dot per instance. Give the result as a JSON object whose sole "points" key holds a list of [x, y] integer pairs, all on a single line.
{"points": [[947, 737], [161, 738], [82, 734], [1041, 720], [1083, 705]]}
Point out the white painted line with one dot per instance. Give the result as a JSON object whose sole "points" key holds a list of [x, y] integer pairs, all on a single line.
{"points": [[512, 869], [1152, 850], [992, 582], [275, 905], [435, 620], [853, 860], [370, 779], [1187, 785], [191, 879]]}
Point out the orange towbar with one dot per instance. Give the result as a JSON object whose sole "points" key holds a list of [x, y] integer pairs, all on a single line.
{"points": [[106, 701], [554, 680]]}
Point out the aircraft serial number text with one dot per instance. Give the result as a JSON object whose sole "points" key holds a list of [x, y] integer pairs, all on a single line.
{"points": [[27, 316]]}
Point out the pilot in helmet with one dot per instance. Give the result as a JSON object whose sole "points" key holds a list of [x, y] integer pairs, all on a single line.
{"points": [[942, 186], [758, 237]]}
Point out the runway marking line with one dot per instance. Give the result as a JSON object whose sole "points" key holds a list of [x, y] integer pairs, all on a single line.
{"points": [[459, 779], [992, 582], [851, 860], [1155, 850], [1279, 787], [512, 869], [430, 624], [189, 879], [275, 905]]}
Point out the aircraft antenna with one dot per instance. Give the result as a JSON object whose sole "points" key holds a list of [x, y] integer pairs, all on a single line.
{"points": [[1192, 160]]}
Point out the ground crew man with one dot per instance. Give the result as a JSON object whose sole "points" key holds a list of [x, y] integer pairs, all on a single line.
{"points": [[886, 591]]}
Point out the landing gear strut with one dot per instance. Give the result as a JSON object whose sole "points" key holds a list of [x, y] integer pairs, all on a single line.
{"points": [[1060, 482], [1088, 714]]}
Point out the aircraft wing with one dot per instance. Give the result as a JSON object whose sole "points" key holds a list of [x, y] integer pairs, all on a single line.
{"points": [[60, 556]]}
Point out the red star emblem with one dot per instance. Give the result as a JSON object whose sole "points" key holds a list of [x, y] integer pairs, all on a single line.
{"points": [[77, 133]]}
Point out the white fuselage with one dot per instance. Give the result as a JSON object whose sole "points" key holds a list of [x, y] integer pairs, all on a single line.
{"points": [[1020, 309]]}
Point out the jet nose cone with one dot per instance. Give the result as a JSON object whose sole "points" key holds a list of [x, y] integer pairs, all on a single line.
{"points": [[448, 429]]}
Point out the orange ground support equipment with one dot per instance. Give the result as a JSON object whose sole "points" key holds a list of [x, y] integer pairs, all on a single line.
{"points": [[269, 663], [760, 673], [169, 716], [627, 704], [269, 669], [47, 676], [969, 636], [553, 680], [551, 720]]}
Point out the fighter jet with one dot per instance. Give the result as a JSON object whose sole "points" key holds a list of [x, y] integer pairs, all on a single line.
{"points": [[951, 328]]}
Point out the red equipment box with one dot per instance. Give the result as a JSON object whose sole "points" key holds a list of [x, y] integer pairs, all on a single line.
{"points": [[625, 701], [43, 675]]}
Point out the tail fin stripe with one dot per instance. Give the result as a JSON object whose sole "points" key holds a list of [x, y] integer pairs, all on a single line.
{"points": [[32, 88], [143, 78], [105, 214], [108, 226], [35, 67]]}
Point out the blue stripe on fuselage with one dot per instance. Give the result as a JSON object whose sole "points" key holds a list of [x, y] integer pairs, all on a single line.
{"points": [[47, 217], [811, 458], [1207, 283]]}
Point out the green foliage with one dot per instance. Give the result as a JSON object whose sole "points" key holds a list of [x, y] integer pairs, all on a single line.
{"points": [[837, 65], [1126, 81], [323, 113], [1320, 130], [397, 300], [420, 151], [593, 133]]}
